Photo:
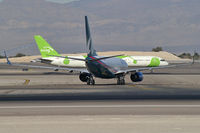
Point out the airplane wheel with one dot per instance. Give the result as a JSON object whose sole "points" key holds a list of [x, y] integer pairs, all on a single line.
{"points": [[123, 82], [90, 81], [120, 81]]}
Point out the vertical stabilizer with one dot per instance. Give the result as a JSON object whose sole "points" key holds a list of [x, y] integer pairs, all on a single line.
{"points": [[91, 50], [45, 49]]}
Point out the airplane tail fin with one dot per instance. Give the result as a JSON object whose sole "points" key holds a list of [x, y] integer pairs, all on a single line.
{"points": [[91, 50], [44, 47]]}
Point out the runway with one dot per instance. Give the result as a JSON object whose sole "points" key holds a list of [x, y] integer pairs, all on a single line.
{"points": [[47, 102], [93, 108], [132, 116]]}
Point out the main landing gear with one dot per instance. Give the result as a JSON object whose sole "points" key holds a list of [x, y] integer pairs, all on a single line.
{"points": [[90, 80], [120, 80]]}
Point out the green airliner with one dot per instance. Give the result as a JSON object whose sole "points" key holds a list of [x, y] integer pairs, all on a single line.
{"points": [[47, 53], [106, 67]]}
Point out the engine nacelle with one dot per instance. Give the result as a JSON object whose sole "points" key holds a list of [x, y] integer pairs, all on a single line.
{"points": [[84, 76], [137, 77]]}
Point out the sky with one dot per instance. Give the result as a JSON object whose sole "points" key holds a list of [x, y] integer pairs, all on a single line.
{"points": [[57, 1], [61, 1], [136, 25]]}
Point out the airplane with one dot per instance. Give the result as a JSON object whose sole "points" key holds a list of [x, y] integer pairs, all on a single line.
{"points": [[47, 51], [106, 67]]}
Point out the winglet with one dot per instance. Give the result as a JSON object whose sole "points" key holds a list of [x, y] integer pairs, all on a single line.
{"points": [[8, 62]]}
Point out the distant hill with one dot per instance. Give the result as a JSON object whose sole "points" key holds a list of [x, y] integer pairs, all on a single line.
{"points": [[116, 24], [162, 54]]}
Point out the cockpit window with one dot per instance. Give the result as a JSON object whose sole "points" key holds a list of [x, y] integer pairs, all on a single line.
{"points": [[162, 60]]}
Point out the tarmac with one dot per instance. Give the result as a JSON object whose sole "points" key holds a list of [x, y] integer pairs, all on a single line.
{"points": [[45, 101]]}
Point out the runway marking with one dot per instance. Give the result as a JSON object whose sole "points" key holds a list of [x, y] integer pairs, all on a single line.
{"points": [[147, 88], [26, 82], [102, 106]]}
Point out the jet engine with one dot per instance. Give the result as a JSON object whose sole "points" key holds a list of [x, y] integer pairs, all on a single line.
{"points": [[83, 76], [137, 77]]}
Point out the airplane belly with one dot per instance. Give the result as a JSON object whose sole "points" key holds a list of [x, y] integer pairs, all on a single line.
{"points": [[99, 71]]}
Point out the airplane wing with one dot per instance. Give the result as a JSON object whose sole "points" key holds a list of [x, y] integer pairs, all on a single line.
{"points": [[69, 58], [46, 67], [42, 60], [53, 68], [96, 59], [106, 57], [149, 68]]}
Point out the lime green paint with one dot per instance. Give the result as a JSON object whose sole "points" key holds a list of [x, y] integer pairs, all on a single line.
{"points": [[135, 61], [45, 49], [85, 56], [121, 57], [66, 61], [154, 62]]}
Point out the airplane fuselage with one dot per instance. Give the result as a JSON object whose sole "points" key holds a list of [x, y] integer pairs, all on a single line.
{"points": [[105, 68], [132, 61]]}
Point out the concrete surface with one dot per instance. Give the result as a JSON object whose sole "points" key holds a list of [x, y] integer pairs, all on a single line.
{"points": [[166, 101], [100, 124]]}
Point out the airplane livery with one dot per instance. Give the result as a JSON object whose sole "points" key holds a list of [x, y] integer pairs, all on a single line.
{"points": [[47, 53], [105, 67]]}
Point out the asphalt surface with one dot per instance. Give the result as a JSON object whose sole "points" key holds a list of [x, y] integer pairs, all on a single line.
{"points": [[167, 100], [168, 92], [111, 107]]}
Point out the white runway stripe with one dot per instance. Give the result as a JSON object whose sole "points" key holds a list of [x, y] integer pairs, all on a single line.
{"points": [[102, 106]]}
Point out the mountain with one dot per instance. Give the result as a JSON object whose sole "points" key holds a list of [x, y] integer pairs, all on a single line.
{"points": [[115, 24]]}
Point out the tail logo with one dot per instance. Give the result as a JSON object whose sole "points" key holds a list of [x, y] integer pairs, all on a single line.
{"points": [[47, 49]]}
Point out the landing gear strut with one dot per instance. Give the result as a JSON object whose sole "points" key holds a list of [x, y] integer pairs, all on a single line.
{"points": [[120, 80], [90, 80]]}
